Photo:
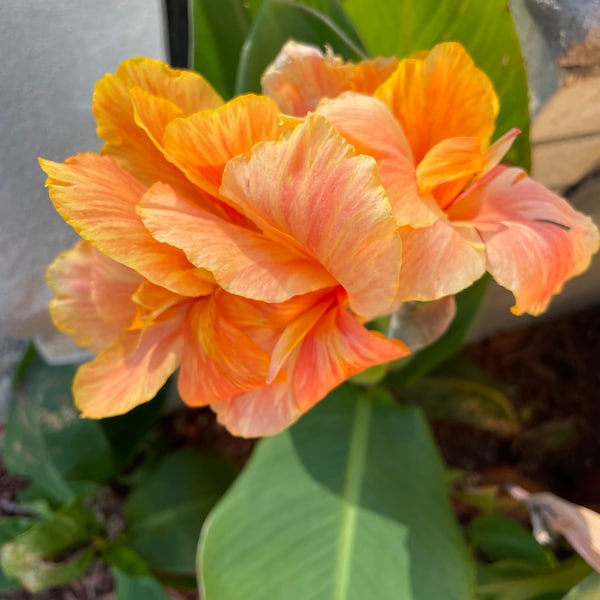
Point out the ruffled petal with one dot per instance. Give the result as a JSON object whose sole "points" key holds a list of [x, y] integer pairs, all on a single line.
{"points": [[203, 143], [98, 199], [302, 75], [336, 348], [534, 240], [443, 95], [130, 371], [243, 262], [440, 260], [78, 278], [370, 127], [219, 359], [127, 143], [322, 199]]}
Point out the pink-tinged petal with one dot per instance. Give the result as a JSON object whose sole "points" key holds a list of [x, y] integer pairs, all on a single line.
{"points": [[98, 199], [419, 324], [535, 241], [79, 306], [113, 286], [130, 371], [336, 348], [442, 95], [440, 260], [450, 160], [302, 75], [326, 201], [496, 151], [370, 127], [127, 143], [219, 359], [243, 262], [203, 143], [261, 412]]}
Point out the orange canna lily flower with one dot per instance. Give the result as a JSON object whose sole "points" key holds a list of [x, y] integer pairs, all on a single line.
{"points": [[240, 246], [429, 126]]}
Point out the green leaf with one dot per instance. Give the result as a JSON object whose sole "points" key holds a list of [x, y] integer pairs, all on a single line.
{"points": [[11, 527], [165, 512], [317, 22], [136, 588], [485, 29], [509, 580], [29, 556], [501, 538], [217, 32], [422, 362], [588, 589], [350, 503], [124, 558], [46, 440], [470, 402]]}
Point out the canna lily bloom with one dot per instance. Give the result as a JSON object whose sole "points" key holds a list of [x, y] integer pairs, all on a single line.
{"points": [[429, 126], [242, 247]]}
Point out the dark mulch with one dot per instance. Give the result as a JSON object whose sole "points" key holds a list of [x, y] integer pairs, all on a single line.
{"points": [[551, 373]]}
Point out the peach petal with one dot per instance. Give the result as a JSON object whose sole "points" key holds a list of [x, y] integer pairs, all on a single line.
{"points": [[301, 75], [328, 203], [219, 359], [130, 371], [203, 143], [438, 261], [98, 199], [535, 241], [442, 95], [242, 261], [336, 348], [495, 153], [74, 279], [370, 127]]}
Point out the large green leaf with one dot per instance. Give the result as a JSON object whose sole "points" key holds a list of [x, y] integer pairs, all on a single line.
{"points": [[316, 22], [36, 556], [46, 440], [486, 30], [217, 32], [165, 512], [349, 503]]}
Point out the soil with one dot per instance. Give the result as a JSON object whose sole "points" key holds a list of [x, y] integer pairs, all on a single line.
{"points": [[551, 374]]}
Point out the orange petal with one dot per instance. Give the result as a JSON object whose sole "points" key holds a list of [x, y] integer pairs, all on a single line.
{"points": [[80, 308], [441, 96], [438, 261], [219, 360], [534, 240], [449, 160], [202, 144], [328, 203], [242, 261], [369, 126], [127, 143], [336, 348], [495, 153], [98, 199], [130, 371]]}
